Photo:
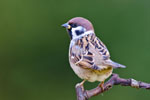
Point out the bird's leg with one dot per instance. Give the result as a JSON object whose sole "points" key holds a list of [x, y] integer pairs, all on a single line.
{"points": [[81, 84], [101, 86]]}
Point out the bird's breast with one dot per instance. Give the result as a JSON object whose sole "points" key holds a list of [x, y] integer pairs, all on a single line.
{"points": [[91, 75]]}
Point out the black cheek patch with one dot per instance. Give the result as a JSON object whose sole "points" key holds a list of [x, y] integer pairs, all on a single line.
{"points": [[78, 32]]}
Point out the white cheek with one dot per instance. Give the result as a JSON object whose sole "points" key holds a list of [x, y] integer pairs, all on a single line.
{"points": [[75, 36], [74, 31]]}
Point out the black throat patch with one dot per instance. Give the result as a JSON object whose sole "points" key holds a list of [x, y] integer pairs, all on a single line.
{"points": [[70, 33]]}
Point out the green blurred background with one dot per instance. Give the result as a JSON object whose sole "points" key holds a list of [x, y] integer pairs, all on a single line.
{"points": [[34, 47]]}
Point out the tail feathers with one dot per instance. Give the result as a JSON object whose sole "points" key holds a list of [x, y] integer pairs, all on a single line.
{"points": [[119, 66], [116, 65]]}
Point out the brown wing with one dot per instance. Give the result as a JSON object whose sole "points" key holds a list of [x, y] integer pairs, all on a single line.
{"points": [[99, 47], [89, 52]]}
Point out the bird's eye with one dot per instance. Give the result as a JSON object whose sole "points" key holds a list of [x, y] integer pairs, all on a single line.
{"points": [[73, 25]]}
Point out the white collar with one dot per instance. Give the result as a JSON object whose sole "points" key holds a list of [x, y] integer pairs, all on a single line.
{"points": [[85, 33]]}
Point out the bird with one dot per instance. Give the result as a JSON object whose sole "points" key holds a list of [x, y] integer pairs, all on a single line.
{"points": [[88, 56]]}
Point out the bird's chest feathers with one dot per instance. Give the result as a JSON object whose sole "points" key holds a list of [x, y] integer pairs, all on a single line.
{"points": [[78, 45]]}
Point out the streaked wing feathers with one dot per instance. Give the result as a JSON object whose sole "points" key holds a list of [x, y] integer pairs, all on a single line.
{"points": [[89, 52]]}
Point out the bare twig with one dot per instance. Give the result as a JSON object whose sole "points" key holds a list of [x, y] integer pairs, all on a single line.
{"points": [[114, 80]]}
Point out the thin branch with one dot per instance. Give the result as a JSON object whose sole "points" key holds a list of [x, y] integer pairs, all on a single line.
{"points": [[114, 80]]}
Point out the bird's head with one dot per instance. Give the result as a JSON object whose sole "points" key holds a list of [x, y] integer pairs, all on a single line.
{"points": [[78, 27]]}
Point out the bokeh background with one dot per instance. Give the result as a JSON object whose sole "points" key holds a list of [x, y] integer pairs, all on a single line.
{"points": [[34, 47]]}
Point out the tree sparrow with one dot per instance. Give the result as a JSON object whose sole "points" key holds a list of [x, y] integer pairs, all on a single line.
{"points": [[88, 56]]}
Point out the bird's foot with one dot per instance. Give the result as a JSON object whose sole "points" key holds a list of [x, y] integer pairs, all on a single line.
{"points": [[101, 86]]}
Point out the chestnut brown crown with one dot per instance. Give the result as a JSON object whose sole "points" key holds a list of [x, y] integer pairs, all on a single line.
{"points": [[80, 21]]}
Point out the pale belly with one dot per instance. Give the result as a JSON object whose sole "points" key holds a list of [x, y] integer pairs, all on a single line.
{"points": [[91, 75]]}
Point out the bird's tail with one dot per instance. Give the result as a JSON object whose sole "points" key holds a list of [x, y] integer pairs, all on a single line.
{"points": [[116, 65]]}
